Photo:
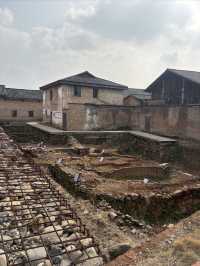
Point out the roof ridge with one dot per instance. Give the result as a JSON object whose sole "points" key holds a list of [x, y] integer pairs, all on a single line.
{"points": [[80, 74], [172, 69], [21, 89], [86, 78]]}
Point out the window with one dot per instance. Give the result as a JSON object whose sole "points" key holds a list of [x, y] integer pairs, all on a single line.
{"points": [[30, 113], [51, 95], [14, 113], [77, 91], [95, 92]]}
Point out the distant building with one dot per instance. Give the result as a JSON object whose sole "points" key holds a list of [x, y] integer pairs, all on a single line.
{"points": [[136, 97], [20, 105], [176, 87], [62, 98]]}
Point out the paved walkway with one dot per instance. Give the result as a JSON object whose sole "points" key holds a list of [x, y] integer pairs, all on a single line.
{"points": [[141, 134]]}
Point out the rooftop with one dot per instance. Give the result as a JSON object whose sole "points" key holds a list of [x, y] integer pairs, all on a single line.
{"points": [[86, 79], [191, 75], [138, 93], [20, 94]]}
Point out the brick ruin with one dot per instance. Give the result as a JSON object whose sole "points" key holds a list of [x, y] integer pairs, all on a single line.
{"points": [[134, 182]]}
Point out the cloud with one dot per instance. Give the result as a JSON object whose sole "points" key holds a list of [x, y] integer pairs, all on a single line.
{"points": [[129, 41], [80, 9], [170, 58], [6, 17], [127, 20]]}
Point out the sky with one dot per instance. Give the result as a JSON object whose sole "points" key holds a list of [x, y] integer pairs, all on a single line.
{"points": [[127, 41]]}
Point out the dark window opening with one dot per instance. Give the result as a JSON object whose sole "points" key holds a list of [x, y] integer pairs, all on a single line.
{"points": [[30, 113], [95, 92], [51, 95], [77, 91], [14, 113]]}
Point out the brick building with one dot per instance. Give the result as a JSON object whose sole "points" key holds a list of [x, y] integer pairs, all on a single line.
{"points": [[136, 97], [20, 105], [176, 87], [61, 97]]}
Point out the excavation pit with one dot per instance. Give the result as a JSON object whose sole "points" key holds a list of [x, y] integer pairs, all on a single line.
{"points": [[144, 189]]}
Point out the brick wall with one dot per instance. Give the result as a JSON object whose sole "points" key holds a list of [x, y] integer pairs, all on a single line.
{"points": [[22, 108], [104, 96], [88, 113], [76, 117], [176, 121], [63, 96], [131, 101]]}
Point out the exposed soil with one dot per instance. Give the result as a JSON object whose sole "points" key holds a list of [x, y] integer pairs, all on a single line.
{"points": [[179, 245], [105, 230]]}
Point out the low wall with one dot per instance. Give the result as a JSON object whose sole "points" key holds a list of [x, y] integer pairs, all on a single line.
{"points": [[154, 208], [138, 172], [176, 121], [23, 133]]}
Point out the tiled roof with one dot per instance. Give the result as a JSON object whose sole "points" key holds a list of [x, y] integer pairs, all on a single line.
{"points": [[20, 94], [87, 79]]}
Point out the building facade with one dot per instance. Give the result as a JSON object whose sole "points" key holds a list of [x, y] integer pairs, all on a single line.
{"points": [[176, 87], [60, 97], [20, 105]]}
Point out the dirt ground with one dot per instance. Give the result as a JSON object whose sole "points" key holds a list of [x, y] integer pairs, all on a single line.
{"points": [[176, 246], [91, 168], [105, 230]]}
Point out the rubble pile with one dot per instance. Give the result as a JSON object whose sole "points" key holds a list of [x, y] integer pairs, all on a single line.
{"points": [[37, 225], [34, 148]]}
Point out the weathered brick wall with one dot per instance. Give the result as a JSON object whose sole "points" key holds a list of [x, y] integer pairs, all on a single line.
{"points": [[156, 208], [138, 172], [104, 96], [63, 96], [95, 117], [76, 117], [180, 121], [22, 108], [177, 121], [131, 101]]}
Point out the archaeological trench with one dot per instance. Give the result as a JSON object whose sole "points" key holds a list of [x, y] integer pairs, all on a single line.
{"points": [[129, 190]]}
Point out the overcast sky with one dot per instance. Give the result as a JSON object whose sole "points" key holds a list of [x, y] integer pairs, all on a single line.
{"points": [[127, 41]]}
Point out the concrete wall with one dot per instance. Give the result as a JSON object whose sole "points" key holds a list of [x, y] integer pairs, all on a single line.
{"points": [[22, 108]]}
